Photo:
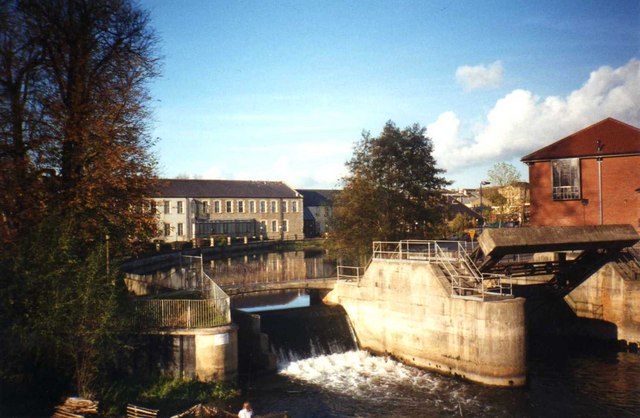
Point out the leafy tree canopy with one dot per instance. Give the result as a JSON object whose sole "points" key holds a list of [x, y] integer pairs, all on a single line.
{"points": [[75, 165], [503, 174], [393, 190]]}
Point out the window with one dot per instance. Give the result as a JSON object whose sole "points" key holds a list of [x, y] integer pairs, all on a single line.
{"points": [[566, 179], [179, 209], [229, 206], [274, 226], [167, 230], [294, 206], [274, 206], [263, 206], [152, 207], [285, 225], [205, 207], [283, 206], [180, 230], [252, 206], [263, 225], [167, 207], [240, 206], [217, 208]]}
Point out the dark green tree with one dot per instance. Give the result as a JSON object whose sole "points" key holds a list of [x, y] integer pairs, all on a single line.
{"points": [[393, 191]]}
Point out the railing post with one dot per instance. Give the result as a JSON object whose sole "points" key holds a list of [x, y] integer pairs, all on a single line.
{"points": [[188, 314]]}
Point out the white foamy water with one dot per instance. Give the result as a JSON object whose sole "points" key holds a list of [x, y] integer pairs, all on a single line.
{"points": [[360, 375]]}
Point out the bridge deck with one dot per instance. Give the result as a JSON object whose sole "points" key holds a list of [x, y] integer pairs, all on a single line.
{"points": [[500, 242], [237, 289]]}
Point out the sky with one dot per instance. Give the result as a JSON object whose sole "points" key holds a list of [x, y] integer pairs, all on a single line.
{"points": [[282, 90]]}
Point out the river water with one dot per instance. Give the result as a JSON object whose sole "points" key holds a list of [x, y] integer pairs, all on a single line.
{"points": [[567, 378]]}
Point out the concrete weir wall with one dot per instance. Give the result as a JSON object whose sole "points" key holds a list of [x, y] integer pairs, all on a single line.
{"points": [[204, 354], [611, 297], [404, 308]]}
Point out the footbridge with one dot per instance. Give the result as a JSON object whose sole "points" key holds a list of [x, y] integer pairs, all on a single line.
{"points": [[578, 252]]}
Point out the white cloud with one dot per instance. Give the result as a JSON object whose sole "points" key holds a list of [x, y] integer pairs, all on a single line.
{"points": [[304, 164], [480, 76], [522, 122]]}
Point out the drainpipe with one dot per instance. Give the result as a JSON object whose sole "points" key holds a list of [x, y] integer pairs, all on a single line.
{"points": [[599, 146]]}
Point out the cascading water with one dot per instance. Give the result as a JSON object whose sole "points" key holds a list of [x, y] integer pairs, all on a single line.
{"points": [[297, 334]]}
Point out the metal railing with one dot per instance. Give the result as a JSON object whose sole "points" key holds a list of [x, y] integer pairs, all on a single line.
{"points": [[212, 311], [350, 273], [453, 258], [185, 313]]}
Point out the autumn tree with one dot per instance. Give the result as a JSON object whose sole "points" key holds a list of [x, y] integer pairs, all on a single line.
{"points": [[393, 190], [75, 166]]}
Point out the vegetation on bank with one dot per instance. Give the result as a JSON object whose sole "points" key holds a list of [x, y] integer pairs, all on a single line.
{"points": [[75, 170], [169, 395]]}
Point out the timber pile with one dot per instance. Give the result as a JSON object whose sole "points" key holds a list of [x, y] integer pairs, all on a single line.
{"points": [[76, 408]]}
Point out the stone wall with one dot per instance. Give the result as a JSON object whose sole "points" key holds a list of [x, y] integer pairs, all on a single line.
{"points": [[403, 308]]}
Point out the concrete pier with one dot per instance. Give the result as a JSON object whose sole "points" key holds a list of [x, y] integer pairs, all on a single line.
{"points": [[405, 308]]}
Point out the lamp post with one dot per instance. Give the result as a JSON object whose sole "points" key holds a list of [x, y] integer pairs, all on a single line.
{"points": [[482, 183], [107, 239]]}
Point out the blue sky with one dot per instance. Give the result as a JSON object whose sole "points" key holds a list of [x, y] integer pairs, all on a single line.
{"points": [[281, 90]]}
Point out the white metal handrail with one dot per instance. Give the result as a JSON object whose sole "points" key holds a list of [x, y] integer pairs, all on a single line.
{"points": [[472, 283]]}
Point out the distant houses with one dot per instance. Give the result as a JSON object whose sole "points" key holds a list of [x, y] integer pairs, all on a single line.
{"points": [[191, 210], [590, 177], [318, 206]]}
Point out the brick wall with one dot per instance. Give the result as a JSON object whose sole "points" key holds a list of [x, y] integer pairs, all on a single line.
{"points": [[620, 201]]}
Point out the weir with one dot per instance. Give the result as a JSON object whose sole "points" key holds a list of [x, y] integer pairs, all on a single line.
{"points": [[434, 305], [425, 304]]}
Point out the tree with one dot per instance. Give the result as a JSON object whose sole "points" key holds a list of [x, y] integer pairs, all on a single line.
{"points": [[74, 116], [75, 165], [503, 174], [393, 191]]}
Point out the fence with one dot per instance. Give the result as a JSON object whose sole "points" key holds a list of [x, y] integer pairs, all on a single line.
{"points": [[452, 256], [212, 311], [181, 313]]}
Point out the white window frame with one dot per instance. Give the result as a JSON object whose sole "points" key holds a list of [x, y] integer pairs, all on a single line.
{"points": [[240, 206], [228, 206], [179, 207], [263, 206], [263, 223], [285, 225], [166, 207], [205, 207], [565, 179], [274, 225], [294, 206], [252, 206], [180, 229], [217, 206], [284, 206], [274, 206], [167, 229]]}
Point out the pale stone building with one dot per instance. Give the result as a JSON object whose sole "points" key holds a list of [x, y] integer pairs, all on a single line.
{"points": [[202, 209]]}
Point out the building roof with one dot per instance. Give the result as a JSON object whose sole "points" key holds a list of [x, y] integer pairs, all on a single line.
{"points": [[616, 138], [224, 188], [317, 197]]}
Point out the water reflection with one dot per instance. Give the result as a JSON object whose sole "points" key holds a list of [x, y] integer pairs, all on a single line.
{"points": [[270, 267], [270, 301]]}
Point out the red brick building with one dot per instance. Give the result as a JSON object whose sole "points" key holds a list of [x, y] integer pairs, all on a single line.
{"points": [[591, 177]]}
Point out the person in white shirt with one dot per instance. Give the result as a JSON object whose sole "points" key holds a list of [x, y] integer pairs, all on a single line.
{"points": [[246, 411]]}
